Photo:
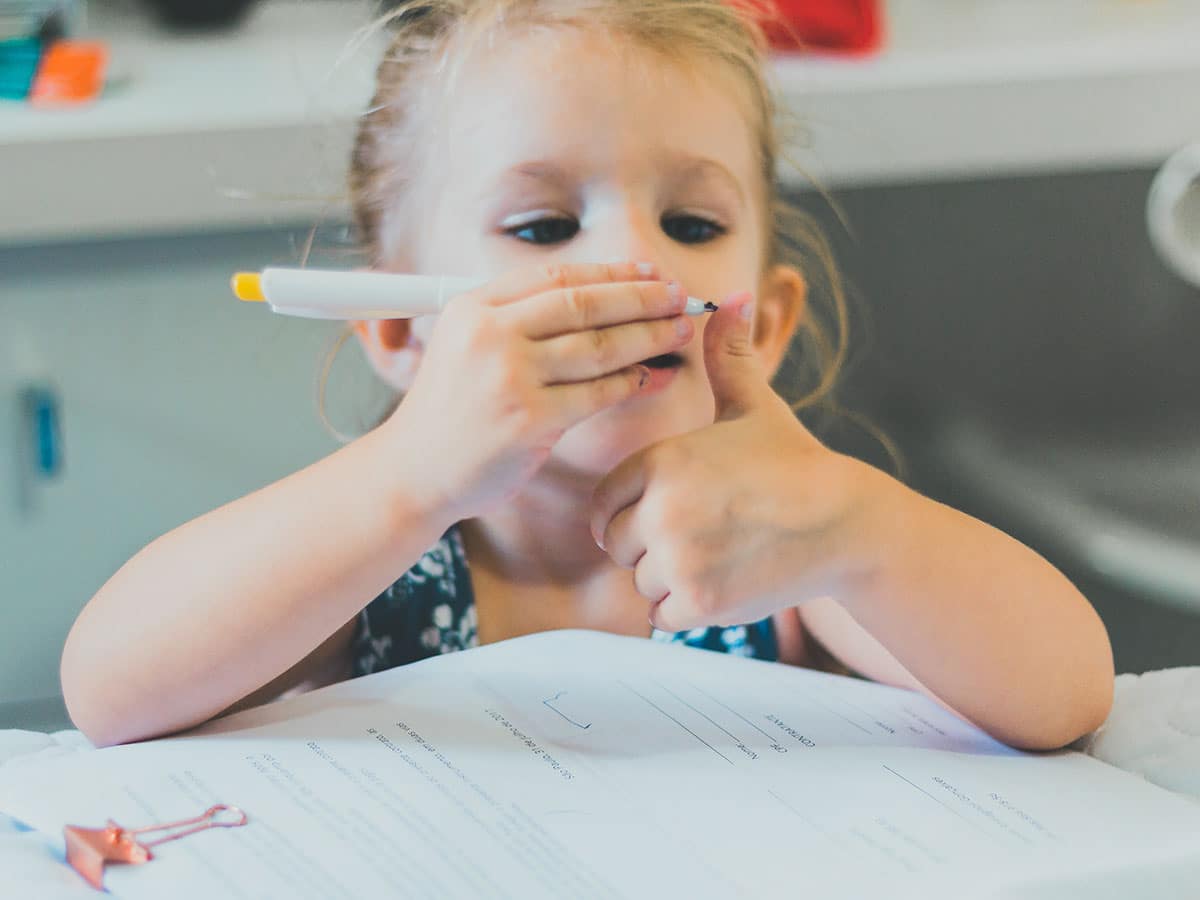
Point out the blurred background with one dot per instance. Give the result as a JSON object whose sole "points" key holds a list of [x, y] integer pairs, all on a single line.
{"points": [[1023, 256]]}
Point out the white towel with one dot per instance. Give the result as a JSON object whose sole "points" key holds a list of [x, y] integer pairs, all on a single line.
{"points": [[1154, 729]]}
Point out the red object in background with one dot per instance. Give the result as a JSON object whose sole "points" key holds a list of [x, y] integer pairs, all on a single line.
{"points": [[846, 26]]}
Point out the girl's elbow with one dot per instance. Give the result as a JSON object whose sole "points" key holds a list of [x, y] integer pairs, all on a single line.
{"points": [[1096, 700], [87, 716], [99, 722], [1093, 691], [1085, 696], [1081, 708], [86, 709], [93, 700], [1101, 709]]}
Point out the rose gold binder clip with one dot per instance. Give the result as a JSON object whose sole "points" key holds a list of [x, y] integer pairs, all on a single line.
{"points": [[90, 849]]}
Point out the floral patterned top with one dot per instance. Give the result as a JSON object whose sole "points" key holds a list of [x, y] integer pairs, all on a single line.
{"points": [[431, 610]]}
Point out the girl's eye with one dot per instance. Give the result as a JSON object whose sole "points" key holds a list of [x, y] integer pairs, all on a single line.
{"points": [[553, 230], [689, 229]]}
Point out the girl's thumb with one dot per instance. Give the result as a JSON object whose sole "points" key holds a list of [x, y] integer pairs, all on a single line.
{"points": [[729, 357]]}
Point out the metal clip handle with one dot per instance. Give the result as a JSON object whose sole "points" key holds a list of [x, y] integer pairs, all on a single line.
{"points": [[210, 818]]}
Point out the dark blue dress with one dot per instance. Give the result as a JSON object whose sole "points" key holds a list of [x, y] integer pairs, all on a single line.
{"points": [[431, 610]]}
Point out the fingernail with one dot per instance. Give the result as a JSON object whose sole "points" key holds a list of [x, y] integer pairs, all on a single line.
{"points": [[683, 328], [675, 292], [747, 308], [646, 268]]}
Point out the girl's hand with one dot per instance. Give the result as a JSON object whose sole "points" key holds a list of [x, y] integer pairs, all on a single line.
{"points": [[733, 522], [513, 364]]}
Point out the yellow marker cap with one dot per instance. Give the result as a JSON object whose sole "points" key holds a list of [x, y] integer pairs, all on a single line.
{"points": [[248, 286]]}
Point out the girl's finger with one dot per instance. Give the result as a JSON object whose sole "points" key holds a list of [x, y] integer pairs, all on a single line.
{"points": [[623, 540], [591, 354], [572, 403], [523, 283], [621, 488], [673, 616], [651, 584], [584, 307]]}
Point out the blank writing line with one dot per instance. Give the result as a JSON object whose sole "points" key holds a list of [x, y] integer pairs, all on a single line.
{"points": [[698, 712], [677, 722], [765, 733], [949, 809], [836, 713], [806, 820]]}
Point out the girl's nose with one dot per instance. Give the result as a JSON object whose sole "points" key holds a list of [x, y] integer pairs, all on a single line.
{"points": [[634, 236]]}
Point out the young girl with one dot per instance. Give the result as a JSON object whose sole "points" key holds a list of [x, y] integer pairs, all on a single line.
{"points": [[592, 453]]}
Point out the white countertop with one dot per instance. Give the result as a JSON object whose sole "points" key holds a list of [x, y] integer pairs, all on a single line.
{"points": [[238, 128], [253, 126]]}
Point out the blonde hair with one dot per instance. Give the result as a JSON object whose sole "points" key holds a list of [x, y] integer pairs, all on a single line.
{"points": [[429, 35]]}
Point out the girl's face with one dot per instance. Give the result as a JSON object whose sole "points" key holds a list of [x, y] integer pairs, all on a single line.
{"points": [[565, 146]]}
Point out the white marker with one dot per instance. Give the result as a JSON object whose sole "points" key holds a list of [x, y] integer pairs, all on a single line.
{"points": [[332, 294]]}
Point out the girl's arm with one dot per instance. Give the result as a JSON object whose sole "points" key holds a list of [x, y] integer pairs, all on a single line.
{"points": [[753, 515], [229, 603], [959, 610], [219, 607]]}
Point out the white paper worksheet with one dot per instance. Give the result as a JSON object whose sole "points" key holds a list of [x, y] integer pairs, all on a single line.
{"points": [[576, 764]]}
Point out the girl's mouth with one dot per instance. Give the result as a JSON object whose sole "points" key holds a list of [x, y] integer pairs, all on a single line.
{"points": [[665, 361]]}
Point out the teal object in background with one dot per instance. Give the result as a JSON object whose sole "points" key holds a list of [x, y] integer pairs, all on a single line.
{"points": [[19, 60], [40, 403]]}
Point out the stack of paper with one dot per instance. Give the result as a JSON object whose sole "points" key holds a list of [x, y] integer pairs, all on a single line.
{"points": [[576, 764]]}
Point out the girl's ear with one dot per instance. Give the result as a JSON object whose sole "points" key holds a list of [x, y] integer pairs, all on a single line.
{"points": [[391, 348], [781, 306]]}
